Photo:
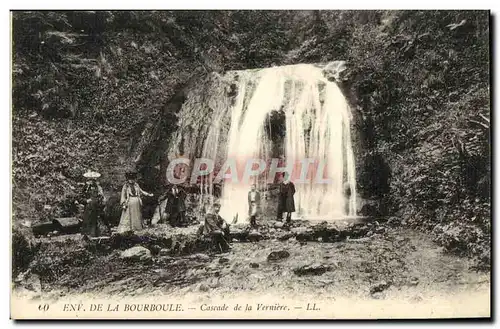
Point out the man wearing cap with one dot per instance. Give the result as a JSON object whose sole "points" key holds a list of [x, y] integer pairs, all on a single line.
{"points": [[93, 198], [217, 228]]}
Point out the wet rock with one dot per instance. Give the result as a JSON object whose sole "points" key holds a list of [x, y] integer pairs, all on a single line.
{"points": [[254, 265], [381, 286], [314, 269], [278, 255], [335, 71], [136, 253]]}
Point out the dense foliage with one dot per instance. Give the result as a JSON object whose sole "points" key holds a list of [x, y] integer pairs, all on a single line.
{"points": [[88, 88]]}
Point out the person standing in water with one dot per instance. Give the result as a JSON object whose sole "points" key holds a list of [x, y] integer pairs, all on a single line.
{"points": [[131, 202], [94, 199], [286, 203], [253, 205]]}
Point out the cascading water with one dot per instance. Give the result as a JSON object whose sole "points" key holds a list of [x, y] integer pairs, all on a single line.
{"points": [[317, 126], [290, 112]]}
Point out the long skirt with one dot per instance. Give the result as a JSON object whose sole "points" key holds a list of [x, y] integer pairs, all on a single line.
{"points": [[90, 225], [131, 219]]}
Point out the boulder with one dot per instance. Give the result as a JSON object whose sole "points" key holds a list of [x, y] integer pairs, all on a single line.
{"points": [[67, 225], [136, 253], [42, 228], [203, 287], [278, 255], [379, 287], [313, 269], [284, 236], [254, 265], [414, 281], [254, 236], [164, 252], [155, 249]]}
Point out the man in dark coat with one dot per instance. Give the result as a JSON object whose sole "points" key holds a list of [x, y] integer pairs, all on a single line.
{"points": [[286, 203], [176, 206]]}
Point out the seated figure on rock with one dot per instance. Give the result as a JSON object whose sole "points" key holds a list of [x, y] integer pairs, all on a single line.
{"points": [[216, 228]]}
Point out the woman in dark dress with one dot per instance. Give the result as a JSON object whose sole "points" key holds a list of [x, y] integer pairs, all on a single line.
{"points": [[286, 203], [93, 199]]}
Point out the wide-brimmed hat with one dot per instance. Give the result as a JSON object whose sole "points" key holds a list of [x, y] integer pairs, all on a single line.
{"points": [[92, 174]]}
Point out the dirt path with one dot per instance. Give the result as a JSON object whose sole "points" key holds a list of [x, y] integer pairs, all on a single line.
{"points": [[398, 265]]}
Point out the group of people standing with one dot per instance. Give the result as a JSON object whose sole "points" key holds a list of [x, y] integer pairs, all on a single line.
{"points": [[131, 208], [286, 202]]}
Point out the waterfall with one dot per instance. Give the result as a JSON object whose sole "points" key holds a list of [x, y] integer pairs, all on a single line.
{"points": [[317, 127], [292, 113]]}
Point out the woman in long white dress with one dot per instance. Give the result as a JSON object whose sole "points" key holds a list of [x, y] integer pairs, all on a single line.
{"points": [[131, 219]]}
